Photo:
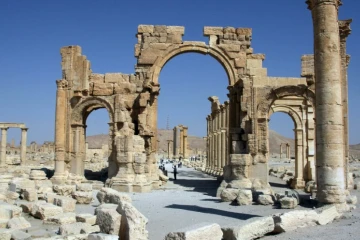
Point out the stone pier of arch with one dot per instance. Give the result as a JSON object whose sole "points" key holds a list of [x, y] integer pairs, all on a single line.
{"points": [[23, 146], [131, 101]]}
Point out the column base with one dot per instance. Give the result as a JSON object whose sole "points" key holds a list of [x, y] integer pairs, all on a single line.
{"points": [[298, 183], [125, 186], [58, 179]]}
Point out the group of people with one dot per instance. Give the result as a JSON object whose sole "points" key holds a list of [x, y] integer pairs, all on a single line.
{"points": [[175, 166]]}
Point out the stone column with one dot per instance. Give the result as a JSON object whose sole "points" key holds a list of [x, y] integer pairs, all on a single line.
{"points": [[214, 162], [168, 148], [175, 142], [181, 141], [60, 128], [298, 182], [185, 142], [328, 114], [3, 146], [344, 29], [223, 150], [288, 151], [23, 145], [280, 150]]}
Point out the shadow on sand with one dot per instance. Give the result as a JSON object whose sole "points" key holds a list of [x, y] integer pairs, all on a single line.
{"points": [[194, 208]]}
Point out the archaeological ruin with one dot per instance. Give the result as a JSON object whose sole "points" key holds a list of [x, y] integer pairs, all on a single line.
{"points": [[237, 130]]}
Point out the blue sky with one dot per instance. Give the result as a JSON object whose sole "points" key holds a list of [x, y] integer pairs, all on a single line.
{"points": [[32, 33]]}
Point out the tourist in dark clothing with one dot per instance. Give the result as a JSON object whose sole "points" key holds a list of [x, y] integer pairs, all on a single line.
{"points": [[175, 171]]}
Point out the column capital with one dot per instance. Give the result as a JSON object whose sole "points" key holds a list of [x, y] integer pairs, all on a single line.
{"points": [[24, 129], [344, 29], [312, 3], [61, 84], [4, 128]]}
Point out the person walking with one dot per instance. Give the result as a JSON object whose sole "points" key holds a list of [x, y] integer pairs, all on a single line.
{"points": [[175, 171]]}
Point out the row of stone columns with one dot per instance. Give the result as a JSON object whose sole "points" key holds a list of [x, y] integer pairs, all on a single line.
{"points": [[183, 142], [217, 140], [287, 150], [4, 143]]}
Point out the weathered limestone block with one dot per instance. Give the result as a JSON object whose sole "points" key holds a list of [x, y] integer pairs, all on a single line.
{"points": [[45, 210], [102, 236], [96, 77], [351, 199], [251, 229], [86, 218], [3, 223], [265, 199], [309, 185], [105, 206], [83, 197], [244, 197], [11, 197], [102, 89], [49, 197], [27, 206], [17, 184], [68, 204], [290, 221], [229, 194], [201, 231], [90, 229], [145, 28], [30, 195], [327, 214], [133, 223], [240, 184], [124, 88], [20, 235], [162, 177], [64, 190], [37, 175], [8, 211], [18, 223], [84, 187], [5, 234], [108, 219], [288, 202], [75, 228], [61, 219], [109, 195]]}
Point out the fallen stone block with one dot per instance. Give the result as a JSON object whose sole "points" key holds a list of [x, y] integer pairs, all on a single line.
{"points": [[327, 214], [37, 175], [102, 236], [202, 231], [20, 235], [84, 187], [109, 195], [17, 184], [133, 223], [90, 229], [5, 234], [229, 194], [265, 199], [68, 204], [73, 228], [61, 219], [288, 202], [108, 220], [105, 206], [49, 197], [18, 223], [11, 197], [64, 190], [39, 234], [244, 197], [3, 223], [8, 211], [83, 197], [30, 195], [290, 221], [86, 218], [45, 210], [251, 229]]}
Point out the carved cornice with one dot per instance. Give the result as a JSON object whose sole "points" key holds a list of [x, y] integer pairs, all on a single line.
{"points": [[348, 57], [61, 84], [344, 28], [312, 3]]}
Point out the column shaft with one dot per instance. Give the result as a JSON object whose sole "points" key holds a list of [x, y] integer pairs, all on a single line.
{"points": [[328, 114], [3, 146], [23, 145]]}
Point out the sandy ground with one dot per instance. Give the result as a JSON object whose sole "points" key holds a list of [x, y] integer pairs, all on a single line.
{"points": [[191, 199]]}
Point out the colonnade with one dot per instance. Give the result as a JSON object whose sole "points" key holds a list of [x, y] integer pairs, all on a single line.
{"points": [[182, 141], [287, 152], [217, 137], [4, 127]]}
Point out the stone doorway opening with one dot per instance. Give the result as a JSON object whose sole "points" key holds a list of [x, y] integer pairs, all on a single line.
{"points": [[97, 142]]}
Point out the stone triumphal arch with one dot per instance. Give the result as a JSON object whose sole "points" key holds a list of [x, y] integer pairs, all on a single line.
{"points": [[241, 129]]}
